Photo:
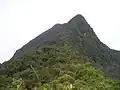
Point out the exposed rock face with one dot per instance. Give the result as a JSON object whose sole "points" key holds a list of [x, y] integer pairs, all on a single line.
{"points": [[81, 36]]}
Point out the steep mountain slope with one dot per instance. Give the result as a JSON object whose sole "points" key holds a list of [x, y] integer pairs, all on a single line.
{"points": [[78, 33], [54, 67], [68, 56]]}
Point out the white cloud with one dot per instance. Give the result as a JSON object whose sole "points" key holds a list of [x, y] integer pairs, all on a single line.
{"points": [[22, 20]]}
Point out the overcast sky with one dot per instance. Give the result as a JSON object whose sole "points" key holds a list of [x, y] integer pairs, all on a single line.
{"points": [[22, 20]]}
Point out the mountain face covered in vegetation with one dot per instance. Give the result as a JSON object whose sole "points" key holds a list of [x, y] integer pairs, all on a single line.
{"points": [[66, 57], [78, 33]]}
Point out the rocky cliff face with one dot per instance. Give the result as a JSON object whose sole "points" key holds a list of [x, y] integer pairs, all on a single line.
{"points": [[81, 36]]}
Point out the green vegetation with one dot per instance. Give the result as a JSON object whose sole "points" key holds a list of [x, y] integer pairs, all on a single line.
{"points": [[54, 67]]}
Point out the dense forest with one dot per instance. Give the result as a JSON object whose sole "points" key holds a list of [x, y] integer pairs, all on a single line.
{"points": [[54, 67]]}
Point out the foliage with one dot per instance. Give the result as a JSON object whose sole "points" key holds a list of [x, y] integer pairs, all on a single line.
{"points": [[85, 77], [54, 67]]}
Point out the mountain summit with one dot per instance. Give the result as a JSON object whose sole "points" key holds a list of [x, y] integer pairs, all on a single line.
{"points": [[77, 25], [77, 20], [68, 54], [78, 33]]}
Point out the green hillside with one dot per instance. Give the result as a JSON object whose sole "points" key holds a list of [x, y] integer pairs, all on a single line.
{"points": [[54, 67], [79, 34], [68, 56]]}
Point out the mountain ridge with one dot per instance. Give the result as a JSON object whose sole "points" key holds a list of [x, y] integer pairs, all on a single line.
{"points": [[78, 33], [78, 19], [65, 57]]}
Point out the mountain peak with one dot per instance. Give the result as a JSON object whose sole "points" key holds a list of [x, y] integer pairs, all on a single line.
{"points": [[78, 34], [77, 19], [78, 16]]}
